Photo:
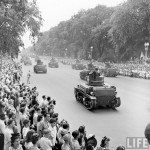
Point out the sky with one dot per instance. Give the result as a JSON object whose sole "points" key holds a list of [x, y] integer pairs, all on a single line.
{"points": [[54, 11]]}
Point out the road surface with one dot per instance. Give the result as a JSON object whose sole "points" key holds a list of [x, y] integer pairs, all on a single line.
{"points": [[129, 120]]}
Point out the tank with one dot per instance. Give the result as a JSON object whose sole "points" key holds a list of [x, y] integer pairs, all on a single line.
{"points": [[95, 93], [53, 63], [40, 67], [109, 71], [78, 65]]}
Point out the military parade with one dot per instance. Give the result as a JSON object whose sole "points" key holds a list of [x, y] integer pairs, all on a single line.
{"points": [[81, 84]]}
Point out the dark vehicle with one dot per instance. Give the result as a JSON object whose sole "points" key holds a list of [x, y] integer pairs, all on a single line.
{"points": [[109, 71], [84, 73], [53, 63], [78, 65], [40, 67], [95, 93]]}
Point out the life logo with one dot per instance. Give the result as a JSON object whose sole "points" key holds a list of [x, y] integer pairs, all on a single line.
{"points": [[137, 143]]}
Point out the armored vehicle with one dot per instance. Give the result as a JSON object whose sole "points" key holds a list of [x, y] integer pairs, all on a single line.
{"points": [[109, 71], [40, 67], [78, 65], [95, 93], [53, 63]]}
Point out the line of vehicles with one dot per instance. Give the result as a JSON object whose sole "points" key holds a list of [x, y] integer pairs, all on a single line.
{"points": [[92, 93], [40, 67]]}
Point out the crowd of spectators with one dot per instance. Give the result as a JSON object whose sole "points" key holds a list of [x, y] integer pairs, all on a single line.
{"points": [[30, 123], [130, 69]]}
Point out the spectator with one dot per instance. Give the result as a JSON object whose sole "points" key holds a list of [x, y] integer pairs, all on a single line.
{"points": [[28, 77], [147, 133], [2, 130], [28, 142], [66, 144], [82, 136], [45, 142], [104, 144], [8, 133], [120, 148], [26, 127], [89, 147], [44, 124], [15, 142], [53, 130], [35, 139], [91, 140], [74, 143]]}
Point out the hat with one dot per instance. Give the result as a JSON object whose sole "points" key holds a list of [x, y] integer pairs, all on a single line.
{"points": [[147, 129], [120, 148], [52, 120]]}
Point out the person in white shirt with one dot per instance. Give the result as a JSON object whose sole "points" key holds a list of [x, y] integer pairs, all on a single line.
{"points": [[2, 130], [45, 143], [53, 130], [28, 77], [8, 133], [26, 128]]}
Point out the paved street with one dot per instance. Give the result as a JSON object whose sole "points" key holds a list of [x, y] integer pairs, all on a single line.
{"points": [[128, 120]]}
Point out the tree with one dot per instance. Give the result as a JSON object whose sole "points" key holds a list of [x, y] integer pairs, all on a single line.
{"points": [[130, 27], [15, 17]]}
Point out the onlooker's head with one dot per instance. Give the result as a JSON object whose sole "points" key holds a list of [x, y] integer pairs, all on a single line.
{"points": [[105, 142], [34, 138], [39, 118], [26, 123], [46, 133], [89, 147], [15, 140], [147, 132], [81, 129], [91, 140], [11, 123], [29, 136], [75, 134], [52, 122], [44, 97], [120, 148], [47, 117], [48, 98], [65, 126]]}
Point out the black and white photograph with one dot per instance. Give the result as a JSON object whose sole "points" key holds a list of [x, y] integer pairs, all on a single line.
{"points": [[74, 74]]}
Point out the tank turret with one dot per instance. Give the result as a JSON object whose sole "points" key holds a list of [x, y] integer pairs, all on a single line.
{"points": [[94, 79]]}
